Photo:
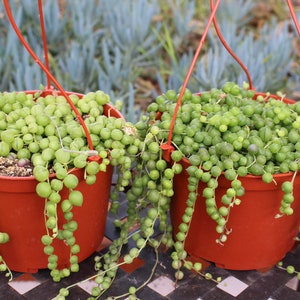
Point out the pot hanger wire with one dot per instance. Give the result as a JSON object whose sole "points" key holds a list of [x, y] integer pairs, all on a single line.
{"points": [[293, 15], [44, 39], [168, 147], [229, 50], [45, 67]]}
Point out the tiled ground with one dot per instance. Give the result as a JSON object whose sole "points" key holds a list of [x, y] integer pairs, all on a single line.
{"points": [[273, 284]]}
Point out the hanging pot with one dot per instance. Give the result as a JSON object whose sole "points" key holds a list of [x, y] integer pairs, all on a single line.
{"points": [[22, 217], [258, 239]]}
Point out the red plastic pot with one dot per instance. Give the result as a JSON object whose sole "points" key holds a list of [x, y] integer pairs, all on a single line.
{"points": [[22, 217], [258, 240]]}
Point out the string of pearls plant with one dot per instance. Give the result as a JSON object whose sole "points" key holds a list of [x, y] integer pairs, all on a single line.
{"points": [[43, 131], [225, 131]]}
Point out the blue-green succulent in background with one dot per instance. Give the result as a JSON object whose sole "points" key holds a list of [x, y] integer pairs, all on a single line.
{"points": [[268, 57]]}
